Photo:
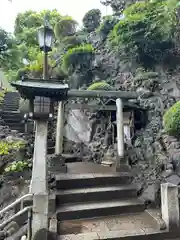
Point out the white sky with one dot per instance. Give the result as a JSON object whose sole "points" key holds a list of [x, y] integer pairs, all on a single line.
{"points": [[74, 8]]}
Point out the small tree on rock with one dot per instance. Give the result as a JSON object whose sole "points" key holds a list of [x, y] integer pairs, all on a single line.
{"points": [[92, 20]]}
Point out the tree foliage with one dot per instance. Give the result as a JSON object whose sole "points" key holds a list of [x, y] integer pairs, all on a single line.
{"points": [[25, 32], [9, 53], [118, 6], [27, 23], [92, 20], [147, 31]]}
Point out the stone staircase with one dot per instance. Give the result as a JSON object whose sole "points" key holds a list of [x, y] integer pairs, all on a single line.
{"points": [[11, 101], [101, 205], [14, 120], [10, 111], [94, 195]]}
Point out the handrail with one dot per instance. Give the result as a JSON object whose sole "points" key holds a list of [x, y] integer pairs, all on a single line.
{"points": [[19, 200], [2, 225]]}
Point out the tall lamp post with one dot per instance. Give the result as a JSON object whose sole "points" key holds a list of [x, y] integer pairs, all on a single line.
{"points": [[41, 109]]}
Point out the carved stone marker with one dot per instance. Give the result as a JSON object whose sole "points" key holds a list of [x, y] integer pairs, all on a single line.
{"points": [[170, 205]]}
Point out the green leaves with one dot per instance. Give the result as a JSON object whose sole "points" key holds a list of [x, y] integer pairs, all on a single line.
{"points": [[18, 166], [7, 147], [171, 120], [65, 27], [80, 56], [9, 53], [147, 31]]}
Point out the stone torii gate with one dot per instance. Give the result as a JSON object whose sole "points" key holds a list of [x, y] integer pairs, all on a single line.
{"points": [[119, 96]]}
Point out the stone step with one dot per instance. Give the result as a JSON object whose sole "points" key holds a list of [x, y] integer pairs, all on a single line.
{"points": [[13, 120], [12, 105], [51, 150], [11, 114], [95, 194], [100, 208], [14, 124], [17, 128], [70, 158], [74, 181], [10, 109], [11, 100], [12, 117], [135, 221]]}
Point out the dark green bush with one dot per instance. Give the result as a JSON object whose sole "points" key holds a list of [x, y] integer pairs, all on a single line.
{"points": [[80, 56], [102, 85], [65, 27], [171, 120], [147, 31]]}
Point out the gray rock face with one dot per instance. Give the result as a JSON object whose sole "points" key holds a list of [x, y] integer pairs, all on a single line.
{"points": [[154, 156]]}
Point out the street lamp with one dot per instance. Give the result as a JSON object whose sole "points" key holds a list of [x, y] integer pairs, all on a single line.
{"points": [[45, 38]]}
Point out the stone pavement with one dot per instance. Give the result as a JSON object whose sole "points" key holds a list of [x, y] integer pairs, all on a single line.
{"points": [[100, 228]]}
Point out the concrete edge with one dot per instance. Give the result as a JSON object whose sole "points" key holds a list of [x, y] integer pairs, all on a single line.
{"points": [[157, 218]]}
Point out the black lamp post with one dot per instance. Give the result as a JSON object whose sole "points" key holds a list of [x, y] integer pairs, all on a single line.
{"points": [[42, 105]]}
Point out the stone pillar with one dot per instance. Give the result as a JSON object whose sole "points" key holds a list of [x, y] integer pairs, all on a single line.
{"points": [[170, 205], [120, 133], [59, 129], [39, 185]]}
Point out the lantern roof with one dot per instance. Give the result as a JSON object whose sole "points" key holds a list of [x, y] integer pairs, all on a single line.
{"points": [[30, 88]]}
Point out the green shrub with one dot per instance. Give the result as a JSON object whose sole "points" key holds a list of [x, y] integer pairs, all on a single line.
{"points": [[65, 27], [79, 56], [102, 85], [147, 31], [7, 147], [171, 120], [2, 95], [18, 166]]}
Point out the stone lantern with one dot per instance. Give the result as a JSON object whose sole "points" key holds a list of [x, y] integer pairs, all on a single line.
{"points": [[42, 95]]}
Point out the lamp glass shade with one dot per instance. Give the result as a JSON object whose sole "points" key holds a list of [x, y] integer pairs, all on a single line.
{"points": [[45, 38]]}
